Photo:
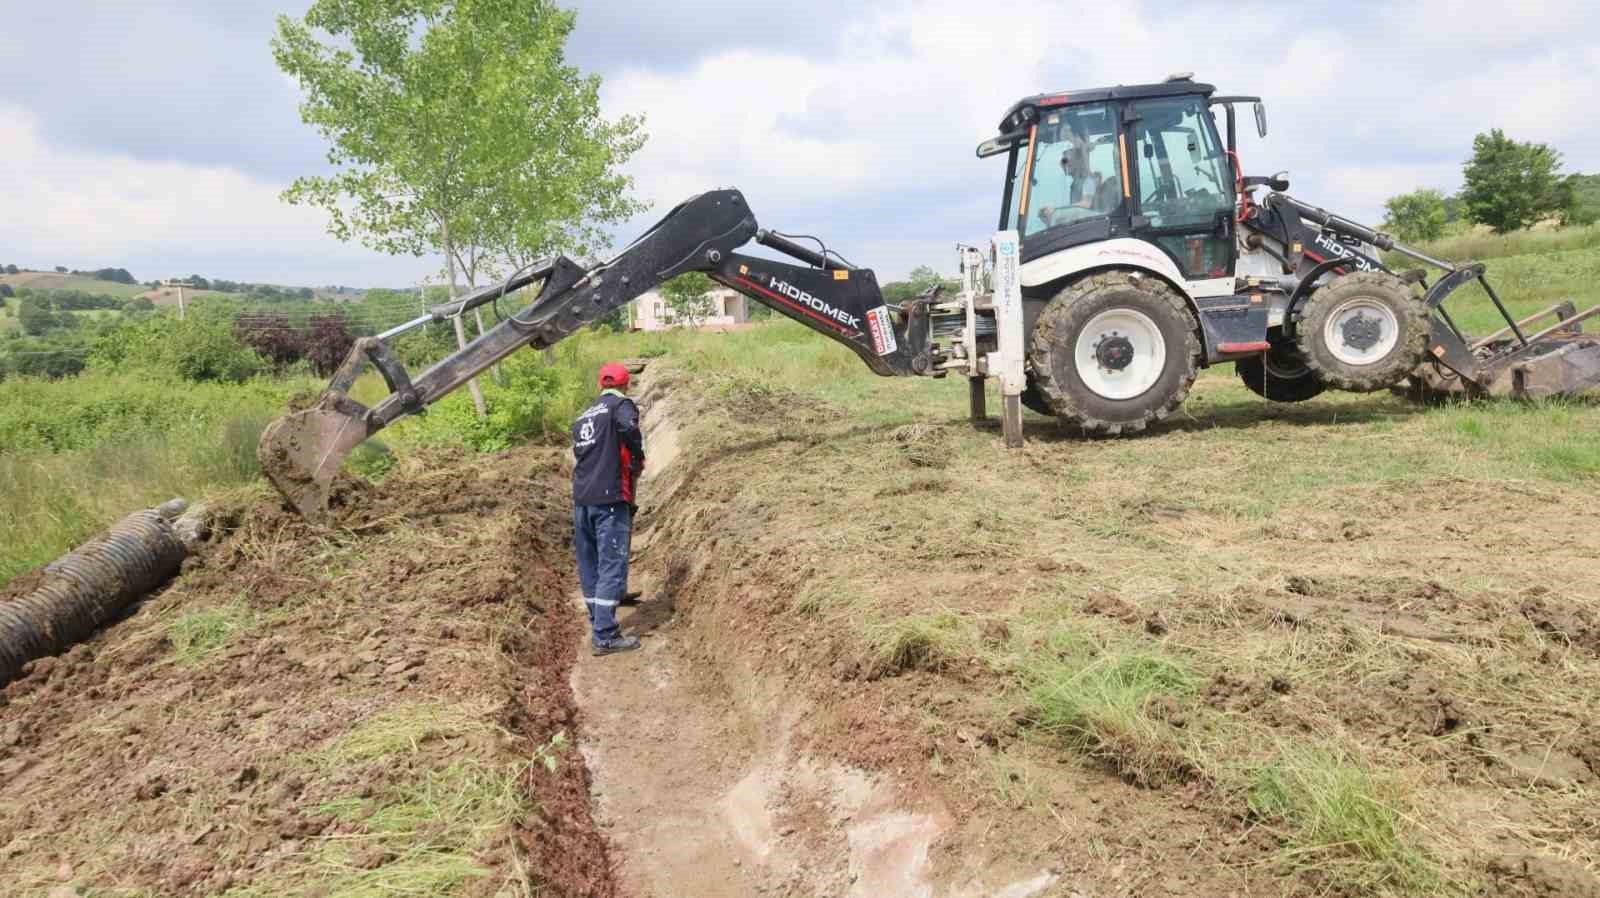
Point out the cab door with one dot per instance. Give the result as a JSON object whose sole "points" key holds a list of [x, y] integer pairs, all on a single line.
{"points": [[1183, 194]]}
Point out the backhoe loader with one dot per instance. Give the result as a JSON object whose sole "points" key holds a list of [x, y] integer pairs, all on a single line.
{"points": [[1130, 252]]}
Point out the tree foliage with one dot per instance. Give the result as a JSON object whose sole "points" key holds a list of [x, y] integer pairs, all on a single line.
{"points": [[273, 337], [455, 123], [921, 278], [1416, 216], [688, 296], [1511, 184], [328, 341], [200, 348]]}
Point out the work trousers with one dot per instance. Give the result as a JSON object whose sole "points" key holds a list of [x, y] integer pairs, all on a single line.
{"points": [[602, 538]]}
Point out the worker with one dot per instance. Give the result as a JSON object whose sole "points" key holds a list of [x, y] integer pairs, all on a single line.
{"points": [[1090, 190], [609, 452]]}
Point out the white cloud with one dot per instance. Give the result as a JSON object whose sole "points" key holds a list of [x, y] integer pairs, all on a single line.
{"points": [[895, 108], [856, 122], [88, 210]]}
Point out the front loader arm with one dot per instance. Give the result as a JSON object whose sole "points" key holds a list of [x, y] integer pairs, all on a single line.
{"points": [[301, 453]]}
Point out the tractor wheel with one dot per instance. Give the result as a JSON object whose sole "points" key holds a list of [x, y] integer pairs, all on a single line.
{"points": [[1363, 332], [1034, 400], [1114, 352], [1281, 376]]}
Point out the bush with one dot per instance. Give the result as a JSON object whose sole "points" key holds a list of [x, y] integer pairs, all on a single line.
{"points": [[328, 341], [536, 402], [272, 337], [200, 349]]}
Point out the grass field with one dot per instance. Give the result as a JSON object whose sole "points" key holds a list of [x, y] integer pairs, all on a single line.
{"points": [[1358, 627], [50, 280], [1345, 605]]}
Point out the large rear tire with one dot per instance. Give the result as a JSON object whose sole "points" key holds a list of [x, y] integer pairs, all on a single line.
{"points": [[1363, 332], [1281, 376], [1115, 352]]}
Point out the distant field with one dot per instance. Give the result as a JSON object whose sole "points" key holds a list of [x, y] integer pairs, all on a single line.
{"points": [[49, 280], [168, 296]]}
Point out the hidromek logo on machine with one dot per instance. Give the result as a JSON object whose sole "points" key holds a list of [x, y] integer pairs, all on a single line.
{"points": [[801, 296]]}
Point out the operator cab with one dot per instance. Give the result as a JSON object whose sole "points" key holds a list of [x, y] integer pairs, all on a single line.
{"points": [[1141, 161]]}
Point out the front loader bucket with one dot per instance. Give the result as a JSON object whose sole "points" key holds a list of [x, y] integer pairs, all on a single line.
{"points": [[302, 452]]}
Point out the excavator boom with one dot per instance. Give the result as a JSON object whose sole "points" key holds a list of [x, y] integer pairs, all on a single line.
{"points": [[302, 452]]}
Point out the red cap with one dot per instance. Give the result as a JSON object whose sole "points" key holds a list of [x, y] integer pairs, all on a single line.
{"points": [[613, 375]]}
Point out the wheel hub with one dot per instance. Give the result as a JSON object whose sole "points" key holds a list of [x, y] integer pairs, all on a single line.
{"points": [[1114, 352], [1361, 332], [1120, 353]]}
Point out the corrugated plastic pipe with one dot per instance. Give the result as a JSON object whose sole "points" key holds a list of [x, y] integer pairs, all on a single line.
{"points": [[87, 587]]}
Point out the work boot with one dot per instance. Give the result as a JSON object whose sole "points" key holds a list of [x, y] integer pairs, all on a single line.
{"points": [[631, 600], [613, 646]]}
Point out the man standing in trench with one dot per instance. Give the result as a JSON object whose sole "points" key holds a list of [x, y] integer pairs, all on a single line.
{"points": [[609, 450]]}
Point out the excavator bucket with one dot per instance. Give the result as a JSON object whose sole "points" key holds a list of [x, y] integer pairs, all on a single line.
{"points": [[302, 452]]}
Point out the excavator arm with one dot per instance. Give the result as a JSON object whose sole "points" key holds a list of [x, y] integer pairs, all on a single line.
{"points": [[302, 452]]}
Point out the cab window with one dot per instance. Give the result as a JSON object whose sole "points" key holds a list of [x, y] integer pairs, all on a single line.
{"points": [[1077, 172], [1184, 178]]}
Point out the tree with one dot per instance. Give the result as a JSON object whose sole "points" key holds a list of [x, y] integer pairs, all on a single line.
{"points": [[272, 337], [688, 296], [1416, 216], [1581, 199], [61, 269], [455, 126], [921, 278], [11, 269], [35, 317], [1511, 184], [328, 341]]}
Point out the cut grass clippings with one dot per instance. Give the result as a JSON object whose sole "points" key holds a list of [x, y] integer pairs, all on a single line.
{"points": [[419, 836]]}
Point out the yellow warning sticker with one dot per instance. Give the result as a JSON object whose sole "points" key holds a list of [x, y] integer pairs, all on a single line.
{"points": [[1296, 249], [841, 274], [744, 269]]}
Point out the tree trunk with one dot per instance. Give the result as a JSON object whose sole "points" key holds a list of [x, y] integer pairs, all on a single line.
{"points": [[461, 337]]}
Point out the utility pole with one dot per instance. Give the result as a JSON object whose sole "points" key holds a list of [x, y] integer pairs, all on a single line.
{"points": [[180, 285]]}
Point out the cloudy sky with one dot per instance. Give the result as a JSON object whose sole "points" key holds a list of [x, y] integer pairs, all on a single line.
{"points": [[157, 135]]}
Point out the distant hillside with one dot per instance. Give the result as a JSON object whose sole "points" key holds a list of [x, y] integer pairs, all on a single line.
{"points": [[50, 280], [168, 296]]}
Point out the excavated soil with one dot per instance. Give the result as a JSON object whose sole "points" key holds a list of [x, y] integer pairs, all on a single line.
{"points": [[761, 743], [439, 597]]}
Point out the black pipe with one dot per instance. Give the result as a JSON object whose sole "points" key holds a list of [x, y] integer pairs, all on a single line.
{"points": [[86, 588]]}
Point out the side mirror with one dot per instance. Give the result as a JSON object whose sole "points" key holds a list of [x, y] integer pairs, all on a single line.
{"points": [[1261, 119], [1279, 181]]}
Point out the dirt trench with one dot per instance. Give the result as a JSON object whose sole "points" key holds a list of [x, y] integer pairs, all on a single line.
{"points": [[703, 781]]}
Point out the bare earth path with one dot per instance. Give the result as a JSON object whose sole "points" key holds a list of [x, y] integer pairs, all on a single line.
{"points": [[696, 783]]}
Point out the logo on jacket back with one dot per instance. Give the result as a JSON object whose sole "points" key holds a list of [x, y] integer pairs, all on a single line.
{"points": [[586, 425], [819, 305]]}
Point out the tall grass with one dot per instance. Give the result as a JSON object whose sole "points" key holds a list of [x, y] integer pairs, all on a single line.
{"points": [[1481, 244], [1340, 822], [77, 454]]}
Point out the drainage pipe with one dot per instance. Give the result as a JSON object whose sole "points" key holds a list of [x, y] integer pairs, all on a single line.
{"points": [[89, 586]]}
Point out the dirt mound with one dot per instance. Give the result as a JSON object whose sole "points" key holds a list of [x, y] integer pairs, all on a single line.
{"points": [[307, 710]]}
